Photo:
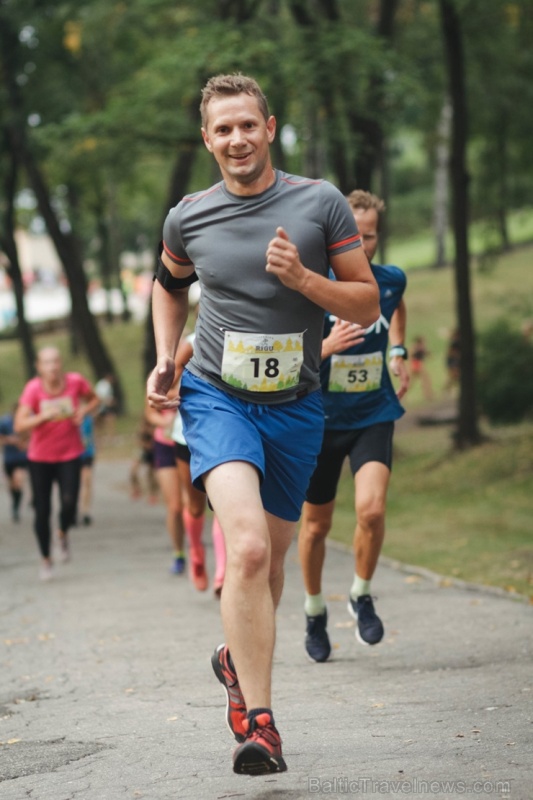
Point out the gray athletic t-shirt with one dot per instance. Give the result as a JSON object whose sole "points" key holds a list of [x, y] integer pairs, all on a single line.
{"points": [[225, 237]]}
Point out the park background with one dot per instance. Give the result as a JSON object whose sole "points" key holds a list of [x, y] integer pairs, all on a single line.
{"points": [[428, 104]]}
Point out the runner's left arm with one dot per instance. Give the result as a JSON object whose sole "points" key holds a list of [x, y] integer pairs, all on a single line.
{"points": [[354, 296], [397, 330]]}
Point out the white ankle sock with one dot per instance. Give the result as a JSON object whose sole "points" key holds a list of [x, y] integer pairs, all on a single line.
{"points": [[359, 587], [314, 604]]}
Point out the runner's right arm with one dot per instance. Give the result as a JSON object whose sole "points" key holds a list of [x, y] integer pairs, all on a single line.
{"points": [[169, 311]]}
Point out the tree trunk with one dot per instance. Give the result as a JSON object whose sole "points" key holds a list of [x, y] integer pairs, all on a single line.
{"points": [[503, 188], [441, 195], [368, 130], [467, 431], [314, 157], [115, 249], [9, 246], [66, 244], [68, 250]]}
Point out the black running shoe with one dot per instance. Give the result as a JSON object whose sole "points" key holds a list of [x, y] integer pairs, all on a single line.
{"points": [[316, 637], [369, 628], [260, 753]]}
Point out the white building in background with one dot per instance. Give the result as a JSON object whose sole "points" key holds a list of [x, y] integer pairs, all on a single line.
{"points": [[47, 297], [37, 256]]}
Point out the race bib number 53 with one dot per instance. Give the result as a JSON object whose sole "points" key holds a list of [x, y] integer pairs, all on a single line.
{"points": [[258, 362], [356, 373]]}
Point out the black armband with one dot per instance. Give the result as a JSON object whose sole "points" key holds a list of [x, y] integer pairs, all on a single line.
{"points": [[167, 280]]}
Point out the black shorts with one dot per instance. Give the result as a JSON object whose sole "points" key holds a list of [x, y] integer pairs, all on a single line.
{"points": [[164, 455], [10, 468], [361, 446], [147, 457], [182, 452]]}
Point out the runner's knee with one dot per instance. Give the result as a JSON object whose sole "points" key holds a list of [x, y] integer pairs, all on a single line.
{"points": [[370, 512], [315, 529], [249, 555]]}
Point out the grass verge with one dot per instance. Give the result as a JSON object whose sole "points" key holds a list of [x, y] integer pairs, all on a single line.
{"points": [[466, 515]]}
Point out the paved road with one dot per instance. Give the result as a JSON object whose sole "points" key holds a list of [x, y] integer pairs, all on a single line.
{"points": [[106, 689]]}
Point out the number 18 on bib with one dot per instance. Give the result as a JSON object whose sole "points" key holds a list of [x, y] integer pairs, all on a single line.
{"points": [[262, 362]]}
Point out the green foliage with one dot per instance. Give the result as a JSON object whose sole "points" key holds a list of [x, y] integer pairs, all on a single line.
{"points": [[505, 374], [113, 89]]}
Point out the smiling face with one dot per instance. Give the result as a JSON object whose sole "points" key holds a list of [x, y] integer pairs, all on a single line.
{"points": [[239, 137]]}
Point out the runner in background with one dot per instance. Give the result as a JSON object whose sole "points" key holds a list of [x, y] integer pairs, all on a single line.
{"points": [[360, 407], [51, 409], [87, 467], [144, 463], [194, 499], [15, 461], [419, 353], [167, 476]]}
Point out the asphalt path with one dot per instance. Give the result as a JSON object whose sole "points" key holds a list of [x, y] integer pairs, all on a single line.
{"points": [[107, 692]]}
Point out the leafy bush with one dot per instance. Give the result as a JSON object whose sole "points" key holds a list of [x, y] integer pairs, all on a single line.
{"points": [[505, 374]]}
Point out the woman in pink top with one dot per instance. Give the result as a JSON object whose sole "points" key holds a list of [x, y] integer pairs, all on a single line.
{"points": [[51, 408]]}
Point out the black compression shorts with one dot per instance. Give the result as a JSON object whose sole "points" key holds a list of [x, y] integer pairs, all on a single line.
{"points": [[182, 452], [361, 446]]}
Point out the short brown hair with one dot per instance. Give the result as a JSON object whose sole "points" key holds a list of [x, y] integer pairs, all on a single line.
{"points": [[365, 200], [228, 85]]}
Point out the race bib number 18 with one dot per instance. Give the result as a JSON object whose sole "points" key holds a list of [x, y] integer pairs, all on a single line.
{"points": [[356, 373], [257, 362]]}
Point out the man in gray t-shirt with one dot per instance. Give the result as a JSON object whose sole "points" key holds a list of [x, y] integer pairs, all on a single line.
{"points": [[260, 243]]}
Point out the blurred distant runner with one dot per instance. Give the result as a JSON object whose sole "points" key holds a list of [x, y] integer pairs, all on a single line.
{"points": [[51, 408], [87, 467], [195, 500], [15, 461]]}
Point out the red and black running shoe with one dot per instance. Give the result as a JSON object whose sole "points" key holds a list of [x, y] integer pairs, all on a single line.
{"points": [[260, 753], [235, 705]]}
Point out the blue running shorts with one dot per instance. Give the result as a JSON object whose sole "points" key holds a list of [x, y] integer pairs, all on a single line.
{"points": [[282, 441]]}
